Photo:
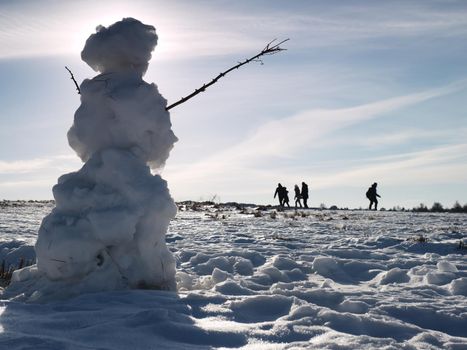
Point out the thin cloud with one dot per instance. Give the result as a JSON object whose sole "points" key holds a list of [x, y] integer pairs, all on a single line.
{"points": [[27, 183], [207, 29], [438, 165], [23, 166], [35, 31], [403, 137], [291, 134], [254, 158], [61, 162], [286, 136]]}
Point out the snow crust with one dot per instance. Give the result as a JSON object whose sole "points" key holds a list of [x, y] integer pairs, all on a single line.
{"points": [[107, 230], [312, 280]]}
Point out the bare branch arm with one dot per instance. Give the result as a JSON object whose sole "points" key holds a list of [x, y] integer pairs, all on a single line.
{"points": [[74, 81], [268, 50]]}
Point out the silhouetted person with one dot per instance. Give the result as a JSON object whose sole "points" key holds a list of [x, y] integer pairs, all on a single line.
{"points": [[286, 196], [280, 194], [297, 196], [371, 195], [304, 194]]}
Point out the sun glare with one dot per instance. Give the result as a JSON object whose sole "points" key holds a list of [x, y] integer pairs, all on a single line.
{"points": [[167, 37]]}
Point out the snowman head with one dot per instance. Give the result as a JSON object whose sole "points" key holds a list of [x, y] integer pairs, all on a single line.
{"points": [[123, 46]]}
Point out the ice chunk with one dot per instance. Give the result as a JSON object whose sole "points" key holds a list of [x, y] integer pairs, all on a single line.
{"points": [[394, 275], [230, 287], [325, 266], [446, 266], [439, 278], [219, 276], [262, 308], [243, 267], [353, 306], [459, 286]]}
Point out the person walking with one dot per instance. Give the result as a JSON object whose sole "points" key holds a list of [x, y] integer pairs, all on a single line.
{"points": [[372, 196], [280, 194], [297, 196], [286, 197], [304, 194]]}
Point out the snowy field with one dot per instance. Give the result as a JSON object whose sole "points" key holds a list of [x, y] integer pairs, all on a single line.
{"points": [[307, 280]]}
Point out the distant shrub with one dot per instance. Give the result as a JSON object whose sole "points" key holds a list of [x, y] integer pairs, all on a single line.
{"points": [[457, 208], [422, 208], [397, 208], [333, 207], [437, 207]]}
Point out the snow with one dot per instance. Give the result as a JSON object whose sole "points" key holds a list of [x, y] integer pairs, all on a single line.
{"points": [[107, 230], [124, 44], [108, 277], [324, 280]]}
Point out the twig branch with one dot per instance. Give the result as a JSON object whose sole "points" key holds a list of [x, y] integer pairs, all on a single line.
{"points": [[74, 81], [269, 49]]}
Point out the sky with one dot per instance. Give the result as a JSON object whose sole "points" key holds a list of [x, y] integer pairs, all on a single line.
{"points": [[367, 91]]}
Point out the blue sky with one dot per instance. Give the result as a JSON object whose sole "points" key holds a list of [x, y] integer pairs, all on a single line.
{"points": [[367, 91]]}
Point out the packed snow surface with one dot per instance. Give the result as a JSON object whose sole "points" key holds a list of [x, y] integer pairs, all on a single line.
{"points": [[251, 279]]}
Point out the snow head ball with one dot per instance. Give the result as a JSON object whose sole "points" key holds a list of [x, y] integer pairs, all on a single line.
{"points": [[122, 46], [108, 228]]}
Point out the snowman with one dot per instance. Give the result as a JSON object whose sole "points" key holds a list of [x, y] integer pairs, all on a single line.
{"points": [[107, 230]]}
